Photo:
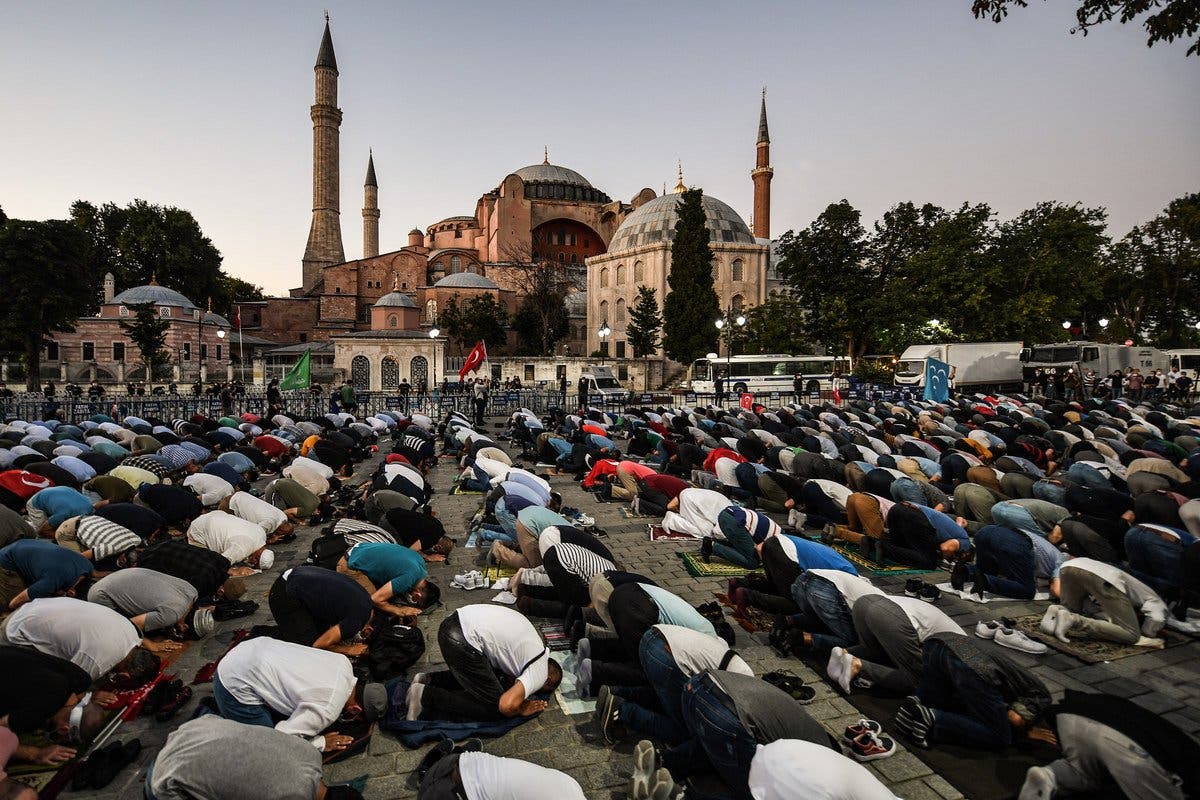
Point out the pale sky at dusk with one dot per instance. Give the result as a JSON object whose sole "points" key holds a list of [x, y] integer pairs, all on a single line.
{"points": [[206, 106]]}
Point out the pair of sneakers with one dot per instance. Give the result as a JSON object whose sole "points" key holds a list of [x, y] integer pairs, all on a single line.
{"points": [[864, 741], [1003, 633], [915, 587], [470, 580]]}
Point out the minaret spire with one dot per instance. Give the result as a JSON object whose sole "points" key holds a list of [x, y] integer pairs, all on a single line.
{"points": [[370, 212], [679, 187], [545, 154], [325, 234], [761, 175]]}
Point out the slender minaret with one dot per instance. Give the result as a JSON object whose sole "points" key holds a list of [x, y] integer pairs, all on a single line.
{"points": [[761, 175], [370, 211], [325, 235]]}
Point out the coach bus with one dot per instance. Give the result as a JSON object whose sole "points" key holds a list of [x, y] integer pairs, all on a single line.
{"points": [[767, 373]]}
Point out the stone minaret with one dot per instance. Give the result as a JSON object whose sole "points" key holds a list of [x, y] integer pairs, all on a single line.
{"points": [[761, 175], [370, 211], [325, 235]]}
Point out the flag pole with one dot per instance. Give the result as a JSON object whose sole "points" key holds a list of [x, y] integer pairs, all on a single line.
{"points": [[241, 354]]}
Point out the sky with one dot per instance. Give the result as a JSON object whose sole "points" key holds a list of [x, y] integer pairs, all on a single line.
{"points": [[205, 106]]}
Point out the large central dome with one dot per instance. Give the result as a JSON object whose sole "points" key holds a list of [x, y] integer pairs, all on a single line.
{"points": [[551, 173], [654, 223]]}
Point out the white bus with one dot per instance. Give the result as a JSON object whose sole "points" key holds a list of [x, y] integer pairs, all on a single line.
{"points": [[767, 373]]}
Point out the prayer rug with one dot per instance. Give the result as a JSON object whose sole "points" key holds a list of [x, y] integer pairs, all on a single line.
{"points": [[472, 539], [755, 621], [864, 564], [206, 672], [359, 730], [555, 636], [568, 693], [658, 533], [497, 571], [713, 569], [1091, 651], [456, 488]]}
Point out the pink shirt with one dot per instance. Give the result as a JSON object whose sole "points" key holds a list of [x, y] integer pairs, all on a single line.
{"points": [[638, 471]]}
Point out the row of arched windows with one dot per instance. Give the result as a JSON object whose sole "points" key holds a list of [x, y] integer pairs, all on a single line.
{"points": [[737, 272]]}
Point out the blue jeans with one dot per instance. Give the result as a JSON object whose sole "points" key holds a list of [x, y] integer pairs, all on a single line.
{"points": [[495, 533], [738, 547], [234, 709], [479, 482], [1155, 561], [1088, 476], [906, 490], [822, 606], [1051, 492], [149, 777], [718, 740], [561, 446], [1006, 558], [966, 709], [507, 519], [1015, 517], [665, 692]]}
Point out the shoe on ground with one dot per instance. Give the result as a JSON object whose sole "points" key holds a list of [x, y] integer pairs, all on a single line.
{"points": [[912, 587], [706, 549], [988, 629], [585, 521], [930, 593], [608, 716], [871, 747], [1017, 640], [1040, 784], [864, 725], [645, 762]]}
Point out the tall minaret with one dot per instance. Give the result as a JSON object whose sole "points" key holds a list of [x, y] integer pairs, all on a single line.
{"points": [[370, 211], [325, 235], [761, 175]]}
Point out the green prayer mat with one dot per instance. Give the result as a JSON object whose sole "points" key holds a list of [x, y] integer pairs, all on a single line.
{"points": [[713, 569], [864, 564]]}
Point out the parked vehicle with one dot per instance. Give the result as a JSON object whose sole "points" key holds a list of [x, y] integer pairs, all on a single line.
{"points": [[601, 381], [1085, 356], [977, 366], [1184, 359], [767, 373]]}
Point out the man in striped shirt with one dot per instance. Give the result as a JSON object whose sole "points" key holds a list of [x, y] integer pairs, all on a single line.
{"points": [[99, 540], [743, 529], [570, 559]]}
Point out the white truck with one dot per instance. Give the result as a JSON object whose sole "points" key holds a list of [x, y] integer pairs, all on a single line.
{"points": [[978, 366], [1104, 359], [601, 382]]}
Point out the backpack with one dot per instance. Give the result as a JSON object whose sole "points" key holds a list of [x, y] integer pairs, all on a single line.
{"points": [[327, 549], [394, 648]]}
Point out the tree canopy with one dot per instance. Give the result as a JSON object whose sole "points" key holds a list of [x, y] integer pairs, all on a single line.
{"points": [[479, 318], [691, 305], [541, 318], [645, 322], [148, 331], [1170, 20]]}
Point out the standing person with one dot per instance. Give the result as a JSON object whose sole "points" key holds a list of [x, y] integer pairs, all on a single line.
{"points": [[274, 399], [562, 388], [719, 389], [479, 398], [405, 389], [797, 388], [349, 401], [1116, 380], [583, 391]]}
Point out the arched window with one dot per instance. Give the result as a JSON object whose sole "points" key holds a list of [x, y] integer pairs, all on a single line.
{"points": [[418, 372], [439, 267], [574, 258], [739, 270], [738, 302], [392, 321], [604, 278], [620, 274], [573, 240], [620, 315], [639, 273], [389, 372], [562, 259], [455, 264], [604, 311], [431, 311], [360, 373]]}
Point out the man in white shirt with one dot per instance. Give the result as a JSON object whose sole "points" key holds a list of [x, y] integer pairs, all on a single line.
{"points": [[273, 521], [485, 648], [890, 630], [262, 678], [233, 537], [483, 776], [212, 489], [695, 512], [670, 656], [789, 768]]}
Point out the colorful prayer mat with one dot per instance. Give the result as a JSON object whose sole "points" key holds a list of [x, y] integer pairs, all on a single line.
{"points": [[713, 569], [864, 564], [659, 533]]}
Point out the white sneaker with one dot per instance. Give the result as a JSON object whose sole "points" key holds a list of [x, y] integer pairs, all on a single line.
{"points": [[480, 582], [1017, 640], [585, 520], [987, 630], [1040, 784]]}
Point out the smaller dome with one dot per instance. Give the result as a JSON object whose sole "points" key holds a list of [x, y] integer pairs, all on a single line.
{"points": [[216, 319], [153, 293], [465, 280], [551, 173], [417, 231], [395, 300]]}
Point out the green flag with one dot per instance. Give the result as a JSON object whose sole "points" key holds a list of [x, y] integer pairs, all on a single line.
{"points": [[299, 376]]}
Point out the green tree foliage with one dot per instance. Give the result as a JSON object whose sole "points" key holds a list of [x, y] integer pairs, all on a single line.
{"points": [[479, 318], [148, 331], [541, 319], [773, 326], [50, 280], [645, 323], [691, 306], [141, 242], [1170, 20]]}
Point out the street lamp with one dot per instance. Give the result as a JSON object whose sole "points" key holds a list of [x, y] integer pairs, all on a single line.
{"points": [[1103, 322], [726, 324], [603, 333], [1066, 324]]}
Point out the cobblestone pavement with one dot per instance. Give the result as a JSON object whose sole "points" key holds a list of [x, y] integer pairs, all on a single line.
{"points": [[1166, 682]]}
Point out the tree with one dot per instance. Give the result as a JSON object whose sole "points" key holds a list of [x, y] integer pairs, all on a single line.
{"points": [[148, 331], [541, 319], [826, 269], [774, 326], [479, 318], [141, 242], [691, 306], [645, 322], [38, 262], [1177, 19]]}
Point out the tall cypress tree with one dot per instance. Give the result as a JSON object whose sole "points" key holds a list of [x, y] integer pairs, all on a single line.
{"points": [[691, 306]]}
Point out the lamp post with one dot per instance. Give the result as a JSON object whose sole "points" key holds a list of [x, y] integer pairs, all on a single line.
{"points": [[603, 333], [725, 325], [433, 334], [221, 336]]}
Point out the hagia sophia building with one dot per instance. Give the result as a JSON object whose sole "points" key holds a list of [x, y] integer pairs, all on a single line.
{"points": [[537, 214]]}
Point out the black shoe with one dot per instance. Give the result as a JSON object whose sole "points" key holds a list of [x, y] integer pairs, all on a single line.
{"points": [[608, 716], [577, 632], [958, 576], [930, 593], [471, 745], [706, 549], [981, 584], [436, 753], [119, 758], [912, 587]]}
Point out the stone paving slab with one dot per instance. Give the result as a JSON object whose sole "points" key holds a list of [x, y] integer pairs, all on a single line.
{"points": [[1165, 682]]}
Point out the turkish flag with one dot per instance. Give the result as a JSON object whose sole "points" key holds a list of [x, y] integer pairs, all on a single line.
{"points": [[477, 356]]}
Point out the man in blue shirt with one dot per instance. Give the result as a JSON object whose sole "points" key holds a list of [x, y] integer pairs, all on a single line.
{"points": [[388, 571], [48, 508], [35, 568], [784, 557]]}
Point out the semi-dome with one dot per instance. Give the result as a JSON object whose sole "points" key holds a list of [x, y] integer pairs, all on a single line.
{"points": [[551, 173], [153, 293], [395, 300], [465, 280], [216, 319], [654, 223]]}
